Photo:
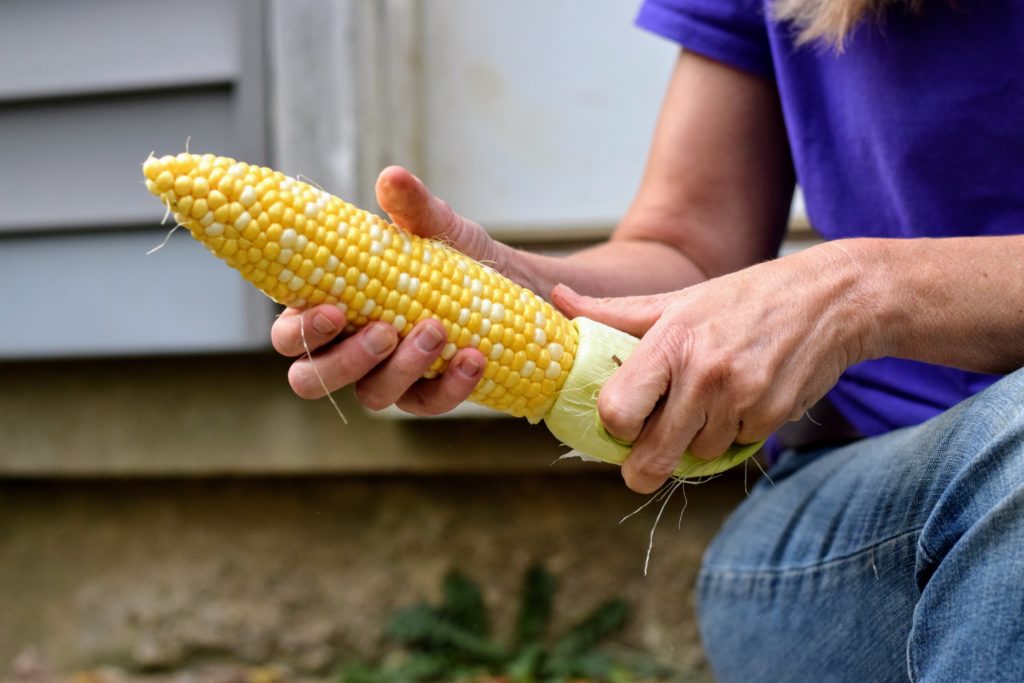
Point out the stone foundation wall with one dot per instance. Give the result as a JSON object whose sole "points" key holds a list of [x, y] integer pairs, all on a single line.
{"points": [[114, 551], [305, 572]]}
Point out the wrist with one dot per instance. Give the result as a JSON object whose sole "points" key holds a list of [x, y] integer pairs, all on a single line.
{"points": [[536, 272], [863, 269]]}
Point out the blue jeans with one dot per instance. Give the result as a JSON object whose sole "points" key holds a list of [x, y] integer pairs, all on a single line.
{"points": [[896, 558]]}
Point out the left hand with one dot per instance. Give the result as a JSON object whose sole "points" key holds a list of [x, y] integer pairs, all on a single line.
{"points": [[387, 370], [730, 359]]}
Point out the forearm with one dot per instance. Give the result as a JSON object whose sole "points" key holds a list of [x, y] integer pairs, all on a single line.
{"points": [[714, 196], [951, 301], [615, 268]]}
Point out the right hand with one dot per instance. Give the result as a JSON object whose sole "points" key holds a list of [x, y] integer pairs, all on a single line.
{"points": [[384, 369]]}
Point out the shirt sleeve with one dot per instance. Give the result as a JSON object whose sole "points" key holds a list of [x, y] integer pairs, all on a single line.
{"points": [[733, 32]]}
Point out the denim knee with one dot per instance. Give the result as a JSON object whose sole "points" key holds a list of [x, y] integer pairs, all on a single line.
{"points": [[874, 518]]}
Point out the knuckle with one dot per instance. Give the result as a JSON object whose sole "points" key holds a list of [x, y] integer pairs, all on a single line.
{"points": [[715, 439], [422, 399], [708, 448], [765, 415], [753, 384], [644, 475], [370, 398], [444, 402], [455, 387], [679, 352], [771, 418], [753, 429], [615, 414], [299, 381], [654, 468], [655, 459], [413, 403], [780, 410], [407, 367], [720, 373], [679, 341]]}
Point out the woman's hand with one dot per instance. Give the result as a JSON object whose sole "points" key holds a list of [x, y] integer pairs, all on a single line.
{"points": [[384, 369], [731, 359], [687, 221]]}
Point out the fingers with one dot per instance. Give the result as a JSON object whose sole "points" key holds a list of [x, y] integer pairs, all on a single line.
{"points": [[681, 422], [398, 381], [632, 314], [412, 206], [436, 396], [639, 404], [634, 390], [319, 325], [629, 396], [657, 451], [629, 401], [717, 434], [343, 364], [664, 404], [387, 372]]}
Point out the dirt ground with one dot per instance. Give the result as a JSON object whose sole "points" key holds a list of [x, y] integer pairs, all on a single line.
{"points": [[27, 668]]}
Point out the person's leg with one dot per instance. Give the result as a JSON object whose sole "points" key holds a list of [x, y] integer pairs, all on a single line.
{"points": [[895, 558]]}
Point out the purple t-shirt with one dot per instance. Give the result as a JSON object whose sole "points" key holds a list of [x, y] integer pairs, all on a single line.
{"points": [[915, 130]]}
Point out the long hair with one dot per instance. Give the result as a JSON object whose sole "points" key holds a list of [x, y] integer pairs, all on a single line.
{"points": [[832, 20]]}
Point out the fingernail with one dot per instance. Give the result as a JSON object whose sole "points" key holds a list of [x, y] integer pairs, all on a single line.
{"points": [[429, 339], [323, 324], [470, 368], [377, 339]]}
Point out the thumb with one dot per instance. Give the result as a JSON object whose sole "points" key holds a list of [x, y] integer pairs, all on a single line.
{"points": [[632, 314], [413, 207]]}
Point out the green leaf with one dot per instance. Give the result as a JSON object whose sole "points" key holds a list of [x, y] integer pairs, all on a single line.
{"points": [[594, 666], [606, 620], [424, 667], [449, 641], [526, 665], [464, 604], [538, 593], [358, 672], [414, 625], [424, 627]]}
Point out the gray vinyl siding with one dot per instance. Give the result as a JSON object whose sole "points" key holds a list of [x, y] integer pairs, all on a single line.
{"points": [[88, 89]]}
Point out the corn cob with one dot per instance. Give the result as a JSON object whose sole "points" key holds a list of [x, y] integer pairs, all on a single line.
{"points": [[302, 247]]}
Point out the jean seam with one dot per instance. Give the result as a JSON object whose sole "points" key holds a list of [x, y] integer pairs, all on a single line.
{"points": [[923, 551], [913, 672], [800, 569]]}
